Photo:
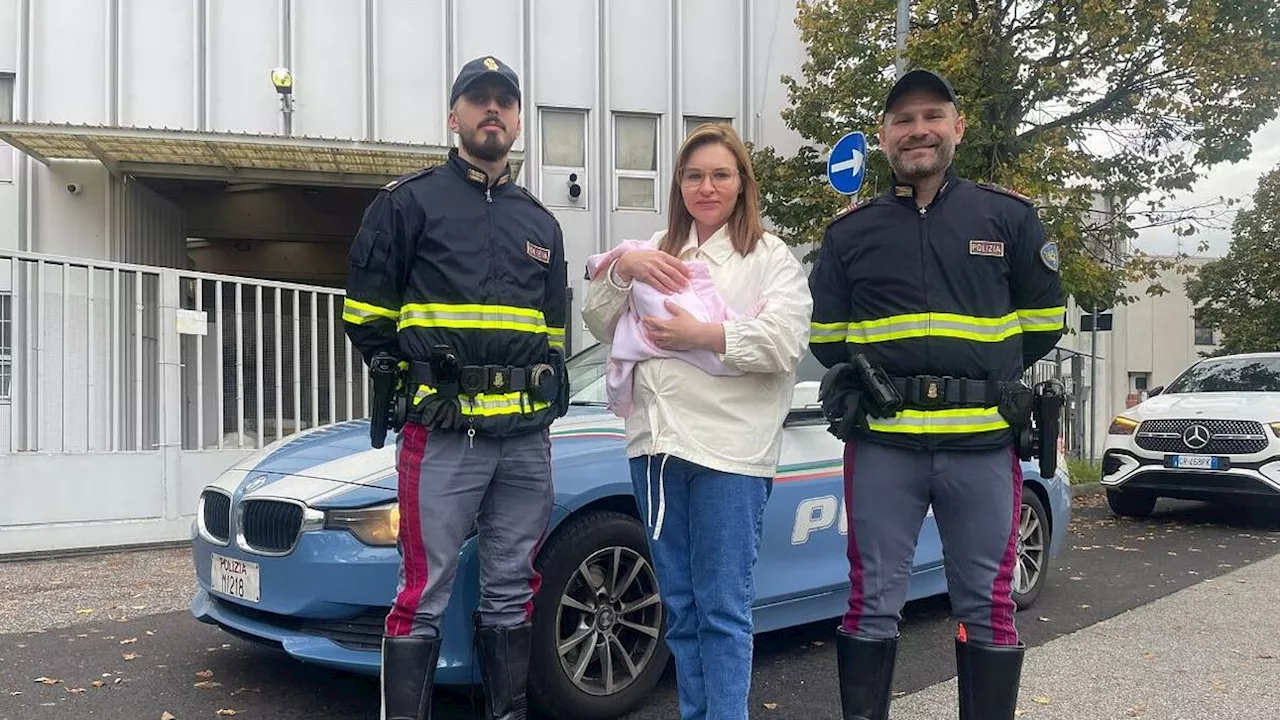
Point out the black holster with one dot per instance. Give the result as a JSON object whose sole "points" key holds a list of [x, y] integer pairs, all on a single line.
{"points": [[1037, 434], [389, 405]]}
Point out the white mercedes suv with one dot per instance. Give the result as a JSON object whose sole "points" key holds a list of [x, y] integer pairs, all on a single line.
{"points": [[1213, 434]]}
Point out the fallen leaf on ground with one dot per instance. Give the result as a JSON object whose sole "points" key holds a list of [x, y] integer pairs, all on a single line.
{"points": [[130, 656], [205, 674], [75, 691], [1041, 700], [818, 643], [208, 684], [97, 683], [129, 641], [1084, 607], [16, 693], [167, 716], [1043, 619], [228, 712], [1266, 657], [771, 706], [48, 680], [85, 611], [150, 633], [1136, 711]]}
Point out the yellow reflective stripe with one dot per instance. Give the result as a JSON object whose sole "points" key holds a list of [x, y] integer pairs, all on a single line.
{"points": [[555, 337], [828, 332], [423, 392], [938, 422], [487, 405], [480, 317], [358, 313], [1042, 319], [966, 327]]}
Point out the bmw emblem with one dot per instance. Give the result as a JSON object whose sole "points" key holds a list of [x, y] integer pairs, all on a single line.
{"points": [[255, 483]]}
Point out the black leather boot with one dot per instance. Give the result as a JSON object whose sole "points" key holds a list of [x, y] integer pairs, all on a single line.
{"points": [[408, 676], [504, 670], [988, 677], [866, 675]]}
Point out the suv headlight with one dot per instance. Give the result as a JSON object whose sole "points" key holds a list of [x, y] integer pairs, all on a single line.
{"points": [[1275, 429], [1122, 426], [378, 525]]}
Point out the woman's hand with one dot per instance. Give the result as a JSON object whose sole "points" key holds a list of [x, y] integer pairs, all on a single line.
{"points": [[684, 331], [654, 267]]}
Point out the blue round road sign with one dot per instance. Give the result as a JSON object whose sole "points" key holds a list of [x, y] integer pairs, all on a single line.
{"points": [[847, 165]]}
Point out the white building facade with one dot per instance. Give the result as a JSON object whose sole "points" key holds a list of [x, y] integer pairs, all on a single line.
{"points": [[173, 242]]}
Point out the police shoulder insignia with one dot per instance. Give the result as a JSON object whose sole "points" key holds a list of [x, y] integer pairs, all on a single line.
{"points": [[1006, 191], [852, 208], [537, 252], [535, 200], [1049, 255], [407, 177]]}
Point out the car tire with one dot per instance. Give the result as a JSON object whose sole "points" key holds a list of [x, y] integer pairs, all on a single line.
{"points": [[1033, 549], [595, 541], [1128, 503]]}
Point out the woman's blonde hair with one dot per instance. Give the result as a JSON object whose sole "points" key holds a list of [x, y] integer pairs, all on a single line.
{"points": [[745, 225]]}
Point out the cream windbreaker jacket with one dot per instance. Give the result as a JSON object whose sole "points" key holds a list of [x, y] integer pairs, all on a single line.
{"points": [[731, 424]]}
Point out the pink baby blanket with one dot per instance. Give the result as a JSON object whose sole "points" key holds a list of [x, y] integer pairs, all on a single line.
{"points": [[631, 344]]}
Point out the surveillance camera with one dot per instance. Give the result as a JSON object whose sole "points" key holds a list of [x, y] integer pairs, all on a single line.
{"points": [[73, 188]]}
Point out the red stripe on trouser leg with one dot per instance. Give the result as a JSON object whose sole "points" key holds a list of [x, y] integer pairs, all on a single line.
{"points": [[1003, 631], [856, 582], [400, 619], [535, 581]]}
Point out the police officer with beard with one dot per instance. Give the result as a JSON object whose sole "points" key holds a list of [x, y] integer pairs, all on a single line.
{"points": [[930, 301], [458, 275]]}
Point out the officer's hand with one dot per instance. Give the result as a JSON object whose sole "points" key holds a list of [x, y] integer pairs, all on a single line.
{"points": [[654, 267]]}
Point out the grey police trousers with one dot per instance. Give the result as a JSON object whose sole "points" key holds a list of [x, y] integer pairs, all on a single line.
{"points": [[450, 483], [976, 498]]}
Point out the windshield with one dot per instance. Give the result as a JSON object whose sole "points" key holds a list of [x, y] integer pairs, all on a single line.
{"points": [[1230, 375], [587, 378]]}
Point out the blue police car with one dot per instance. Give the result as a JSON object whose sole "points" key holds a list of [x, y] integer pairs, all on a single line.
{"points": [[295, 547]]}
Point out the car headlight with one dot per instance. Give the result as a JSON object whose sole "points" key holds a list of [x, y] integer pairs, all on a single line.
{"points": [[1122, 426], [1275, 428], [378, 525]]}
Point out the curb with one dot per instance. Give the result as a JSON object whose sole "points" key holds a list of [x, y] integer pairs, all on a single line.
{"points": [[1085, 489], [91, 551]]}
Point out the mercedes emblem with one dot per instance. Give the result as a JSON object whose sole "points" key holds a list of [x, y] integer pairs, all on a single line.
{"points": [[1196, 437]]}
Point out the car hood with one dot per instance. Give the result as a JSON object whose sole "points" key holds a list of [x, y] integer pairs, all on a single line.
{"points": [[1261, 406], [335, 465]]}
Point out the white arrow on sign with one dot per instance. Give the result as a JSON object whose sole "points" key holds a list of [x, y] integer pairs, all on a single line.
{"points": [[853, 164]]}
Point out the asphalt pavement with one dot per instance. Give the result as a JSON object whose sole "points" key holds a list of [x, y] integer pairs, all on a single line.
{"points": [[143, 667]]}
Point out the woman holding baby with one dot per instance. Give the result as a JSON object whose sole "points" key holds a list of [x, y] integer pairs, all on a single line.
{"points": [[704, 426]]}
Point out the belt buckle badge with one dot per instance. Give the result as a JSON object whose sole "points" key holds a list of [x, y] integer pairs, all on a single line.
{"points": [[931, 390]]}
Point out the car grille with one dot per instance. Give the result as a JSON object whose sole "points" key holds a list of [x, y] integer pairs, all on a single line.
{"points": [[1227, 437], [217, 515], [361, 632], [270, 525]]}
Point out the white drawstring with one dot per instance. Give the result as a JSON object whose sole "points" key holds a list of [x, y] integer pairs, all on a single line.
{"points": [[662, 497], [648, 491]]}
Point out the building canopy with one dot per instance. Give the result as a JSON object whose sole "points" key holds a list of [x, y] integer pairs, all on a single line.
{"points": [[232, 157]]}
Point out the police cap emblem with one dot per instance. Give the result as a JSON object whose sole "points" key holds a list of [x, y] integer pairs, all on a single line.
{"points": [[491, 64], [1049, 255]]}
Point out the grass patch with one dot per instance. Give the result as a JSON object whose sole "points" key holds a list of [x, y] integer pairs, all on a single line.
{"points": [[1084, 471]]}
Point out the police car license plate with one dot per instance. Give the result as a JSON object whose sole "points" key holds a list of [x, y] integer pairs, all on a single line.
{"points": [[235, 578], [1196, 462]]}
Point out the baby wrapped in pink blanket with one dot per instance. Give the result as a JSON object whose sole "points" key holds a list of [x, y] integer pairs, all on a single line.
{"points": [[631, 344]]}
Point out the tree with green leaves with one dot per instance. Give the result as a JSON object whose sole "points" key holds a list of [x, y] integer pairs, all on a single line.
{"points": [[1068, 101], [1239, 294]]}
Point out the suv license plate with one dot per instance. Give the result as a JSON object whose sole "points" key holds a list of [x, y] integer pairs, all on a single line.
{"points": [[1197, 462]]}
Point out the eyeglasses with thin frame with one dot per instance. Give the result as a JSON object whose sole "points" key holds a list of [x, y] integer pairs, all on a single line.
{"points": [[721, 178]]}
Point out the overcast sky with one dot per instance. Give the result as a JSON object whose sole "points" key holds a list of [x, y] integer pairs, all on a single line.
{"points": [[1238, 180]]}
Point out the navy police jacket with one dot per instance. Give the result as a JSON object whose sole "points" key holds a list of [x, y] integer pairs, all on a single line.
{"points": [[445, 257], [967, 287]]}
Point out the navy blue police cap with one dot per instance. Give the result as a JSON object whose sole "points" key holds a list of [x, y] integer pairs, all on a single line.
{"points": [[483, 67], [920, 79]]}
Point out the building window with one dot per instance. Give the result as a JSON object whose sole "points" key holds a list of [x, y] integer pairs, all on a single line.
{"points": [[691, 122], [6, 345], [635, 159], [6, 115], [564, 157], [1204, 333]]}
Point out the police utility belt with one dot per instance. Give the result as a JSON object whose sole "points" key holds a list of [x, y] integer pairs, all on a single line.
{"points": [[450, 378]]}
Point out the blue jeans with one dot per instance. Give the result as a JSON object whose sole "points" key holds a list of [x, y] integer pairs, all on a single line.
{"points": [[707, 526]]}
